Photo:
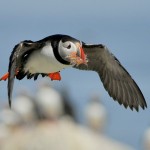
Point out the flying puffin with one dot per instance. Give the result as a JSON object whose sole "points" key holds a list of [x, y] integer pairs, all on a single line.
{"points": [[56, 52]]}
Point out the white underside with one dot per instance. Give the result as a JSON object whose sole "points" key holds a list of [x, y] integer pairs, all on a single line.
{"points": [[43, 61]]}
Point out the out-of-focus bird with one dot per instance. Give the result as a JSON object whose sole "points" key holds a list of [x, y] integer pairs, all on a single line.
{"points": [[49, 102], [95, 114], [9, 118], [24, 106], [54, 53], [146, 140]]}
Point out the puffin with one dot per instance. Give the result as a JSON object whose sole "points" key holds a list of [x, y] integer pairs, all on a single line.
{"points": [[48, 56]]}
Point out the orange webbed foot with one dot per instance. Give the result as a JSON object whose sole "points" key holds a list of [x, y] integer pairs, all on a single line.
{"points": [[55, 76], [4, 77]]}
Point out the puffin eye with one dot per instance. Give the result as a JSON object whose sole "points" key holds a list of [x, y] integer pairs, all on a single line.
{"points": [[69, 46]]}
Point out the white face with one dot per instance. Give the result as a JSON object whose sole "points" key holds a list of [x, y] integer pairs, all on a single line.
{"points": [[66, 48]]}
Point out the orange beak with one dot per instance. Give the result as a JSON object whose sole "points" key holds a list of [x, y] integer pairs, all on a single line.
{"points": [[82, 54]]}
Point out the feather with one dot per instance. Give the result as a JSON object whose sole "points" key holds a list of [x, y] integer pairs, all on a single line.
{"points": [[116, 80]]}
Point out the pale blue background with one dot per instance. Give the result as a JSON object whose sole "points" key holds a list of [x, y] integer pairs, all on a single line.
{"points": [[124, 26]]}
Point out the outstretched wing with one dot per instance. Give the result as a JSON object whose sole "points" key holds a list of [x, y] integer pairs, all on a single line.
{"points": [[18, 54], [116, 80]]}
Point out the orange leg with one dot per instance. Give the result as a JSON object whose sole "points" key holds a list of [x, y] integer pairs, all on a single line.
{"points": [[55, 76], [5, 76]]}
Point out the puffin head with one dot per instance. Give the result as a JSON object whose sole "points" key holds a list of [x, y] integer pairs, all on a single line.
{"points": [[71, 50]]}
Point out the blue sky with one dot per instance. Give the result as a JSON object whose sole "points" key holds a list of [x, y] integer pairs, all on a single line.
{"points": [[124, 26]]}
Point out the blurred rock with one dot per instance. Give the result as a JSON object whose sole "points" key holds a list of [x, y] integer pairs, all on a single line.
{"points": [[9, 123], [60, 135]]}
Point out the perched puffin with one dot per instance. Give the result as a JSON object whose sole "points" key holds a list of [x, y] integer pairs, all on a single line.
{"points": [[56, 52]]}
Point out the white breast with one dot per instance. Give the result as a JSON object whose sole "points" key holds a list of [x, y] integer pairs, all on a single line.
{"points": [[43, 61]]}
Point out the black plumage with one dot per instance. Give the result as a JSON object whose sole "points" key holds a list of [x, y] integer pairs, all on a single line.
{"points": [[17, 59], [116, 80]]}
